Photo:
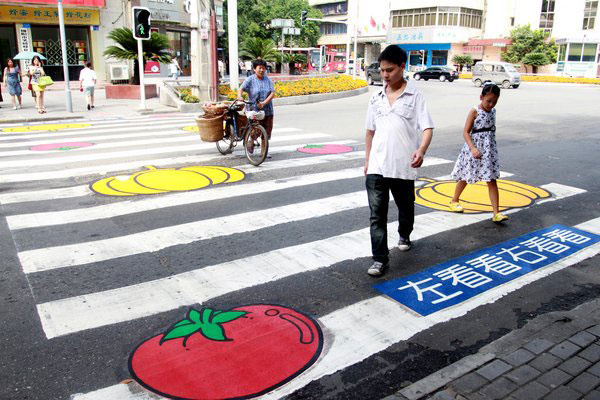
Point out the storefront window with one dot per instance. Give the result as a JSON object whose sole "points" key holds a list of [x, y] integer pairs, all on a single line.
{"points": [[439, 57], [589, 52], [180, 44], [562, 52], [8, 44], [46, 41], [575, 51]]}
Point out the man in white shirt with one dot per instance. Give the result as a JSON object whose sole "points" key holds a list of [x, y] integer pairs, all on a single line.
{"points": [[174, 68], [87, 83], [394, 149]]}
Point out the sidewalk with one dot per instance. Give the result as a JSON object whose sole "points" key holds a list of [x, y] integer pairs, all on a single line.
{"points": [[556, 356], [56, 106]]}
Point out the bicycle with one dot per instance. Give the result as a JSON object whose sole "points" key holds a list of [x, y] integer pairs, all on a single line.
{"points": [[253, 135]]}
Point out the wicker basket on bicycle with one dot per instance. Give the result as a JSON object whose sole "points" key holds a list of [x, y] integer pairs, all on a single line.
{"points": [[214, 109], [210, 128]]}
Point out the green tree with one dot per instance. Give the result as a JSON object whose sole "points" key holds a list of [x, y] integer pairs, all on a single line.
{"points": [[254, 48], [254, 20], [525, 42], [536, 60], [462, 59], [154, 49]]}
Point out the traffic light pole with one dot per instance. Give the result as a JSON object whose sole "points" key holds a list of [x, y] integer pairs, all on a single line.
{"points": [[63, 48], [141, 73]]}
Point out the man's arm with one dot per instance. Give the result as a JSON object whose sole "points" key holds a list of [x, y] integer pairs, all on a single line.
{"points": [[368, 142], [419, 154]]}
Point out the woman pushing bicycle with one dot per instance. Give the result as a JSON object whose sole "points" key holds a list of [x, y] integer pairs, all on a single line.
{"points": [[261, 92]]}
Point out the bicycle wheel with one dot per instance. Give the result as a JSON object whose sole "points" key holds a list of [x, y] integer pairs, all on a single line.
{"points": [[225, 145], [256, 144]]}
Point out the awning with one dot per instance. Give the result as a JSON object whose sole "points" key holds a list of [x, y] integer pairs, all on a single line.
{"points": [[424, 46], [500, 42]]}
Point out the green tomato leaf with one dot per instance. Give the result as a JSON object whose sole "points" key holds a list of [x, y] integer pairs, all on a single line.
{"points": [[227, 316], [214, 332], [194, 315], [181, 331], [206, 313], [184, 322]]}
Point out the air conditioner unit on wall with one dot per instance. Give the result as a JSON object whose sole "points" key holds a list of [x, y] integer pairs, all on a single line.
{"points": [[119, 72]]}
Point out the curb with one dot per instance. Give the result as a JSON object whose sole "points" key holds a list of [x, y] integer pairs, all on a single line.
{"points": [[557, 326], [39, 119]]}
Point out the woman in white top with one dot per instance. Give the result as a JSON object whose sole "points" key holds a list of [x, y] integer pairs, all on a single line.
{"points": [[174, 68], [87, 83], [35, 72]]}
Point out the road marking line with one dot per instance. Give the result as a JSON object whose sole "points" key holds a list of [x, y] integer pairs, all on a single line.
{"points": [[66, 316], [67, 158], [131, 167], [173, 132], [119, 127], [126, 166], [385, 322], [23, 221]]}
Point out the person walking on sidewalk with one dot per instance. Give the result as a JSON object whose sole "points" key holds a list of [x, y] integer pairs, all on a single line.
{"points": [[478, 159], [174, 68], [395, 118], [87, 84], [35, 72], [12, 81]]}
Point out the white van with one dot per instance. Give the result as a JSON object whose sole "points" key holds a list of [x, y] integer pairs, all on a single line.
{"points": [[500, 73]]}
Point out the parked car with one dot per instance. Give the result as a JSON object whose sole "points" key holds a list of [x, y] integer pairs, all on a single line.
{"points": [[500, 73], [373, 74], [441, 73]]}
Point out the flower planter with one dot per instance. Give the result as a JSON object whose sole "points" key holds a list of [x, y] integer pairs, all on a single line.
{"points": [[129, 91]]}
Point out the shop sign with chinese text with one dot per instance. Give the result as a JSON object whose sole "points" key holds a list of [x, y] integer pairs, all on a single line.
{"points": [[47, 15], [87, 3], [461, 279]]}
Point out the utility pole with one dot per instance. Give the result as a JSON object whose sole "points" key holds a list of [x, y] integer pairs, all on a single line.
{"points": [[63, 48], [232, 29], [355, 43], [200, 52]]}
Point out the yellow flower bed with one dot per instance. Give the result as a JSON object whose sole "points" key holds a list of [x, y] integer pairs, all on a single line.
{"points": [[547, 78], [307, 86]]}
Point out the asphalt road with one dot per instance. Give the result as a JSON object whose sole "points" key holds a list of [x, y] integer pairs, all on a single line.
{"points": [[85, 278]]}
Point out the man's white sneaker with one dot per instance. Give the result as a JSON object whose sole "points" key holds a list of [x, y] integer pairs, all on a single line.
{"points": [[404, 244], [377, 269]]}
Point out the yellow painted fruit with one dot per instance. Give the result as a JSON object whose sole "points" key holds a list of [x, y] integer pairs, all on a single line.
{"points": [[154, 181], [475, 197], [45, 127], [191, 128]]}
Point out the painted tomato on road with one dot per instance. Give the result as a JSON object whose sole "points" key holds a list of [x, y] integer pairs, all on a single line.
{"points": [[234, 354]]}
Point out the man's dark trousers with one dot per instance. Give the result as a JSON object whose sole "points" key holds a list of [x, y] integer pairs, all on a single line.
{"points": [[378, 191]]}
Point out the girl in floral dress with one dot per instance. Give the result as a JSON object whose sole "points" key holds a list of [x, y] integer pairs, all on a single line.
{"points": [[478, 159]]}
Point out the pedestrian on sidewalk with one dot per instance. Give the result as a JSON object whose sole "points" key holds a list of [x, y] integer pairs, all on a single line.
{"points": [[12, 81], [261, 92], [87, 84], [35, 72], [174, 68], [249, 67], [242, 67], [478, 159], [395, 118]]}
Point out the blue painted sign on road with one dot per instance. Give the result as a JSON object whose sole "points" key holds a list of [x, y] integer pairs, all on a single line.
{"points": [[462, 278]]}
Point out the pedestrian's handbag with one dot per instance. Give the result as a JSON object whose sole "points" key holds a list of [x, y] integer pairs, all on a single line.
{"points": [[29, 86], [44, 81]]}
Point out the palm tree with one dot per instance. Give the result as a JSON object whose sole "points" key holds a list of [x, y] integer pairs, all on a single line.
{"points": [[255, 48], [155, 49]]}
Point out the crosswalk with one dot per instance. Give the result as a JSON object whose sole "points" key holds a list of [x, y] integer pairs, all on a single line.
{"points": [[64, 232]]}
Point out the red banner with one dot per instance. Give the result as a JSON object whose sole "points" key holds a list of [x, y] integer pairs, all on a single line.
{"points": [[89, 3]]}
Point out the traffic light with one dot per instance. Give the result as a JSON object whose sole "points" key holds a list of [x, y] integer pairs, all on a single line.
{"points": [[141, 23], [303, 16]]}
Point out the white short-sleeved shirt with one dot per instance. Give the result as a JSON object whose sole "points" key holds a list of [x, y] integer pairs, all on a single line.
{"points": [[87, 77], [398, 131]]}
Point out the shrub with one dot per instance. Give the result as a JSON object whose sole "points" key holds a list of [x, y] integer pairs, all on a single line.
{"points": [[306, 86]]}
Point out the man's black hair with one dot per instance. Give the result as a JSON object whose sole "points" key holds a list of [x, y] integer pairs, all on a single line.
{"points": [[258, 62], [490, 88], [393, 54]]}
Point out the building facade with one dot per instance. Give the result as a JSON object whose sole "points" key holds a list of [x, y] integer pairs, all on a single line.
{"points": [[32, 25]]}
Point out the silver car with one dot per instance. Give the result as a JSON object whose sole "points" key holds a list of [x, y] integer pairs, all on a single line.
{"points": [[500, 73]]}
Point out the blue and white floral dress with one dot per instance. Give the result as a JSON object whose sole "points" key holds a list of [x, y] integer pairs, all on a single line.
{"points": [[483, 135]]}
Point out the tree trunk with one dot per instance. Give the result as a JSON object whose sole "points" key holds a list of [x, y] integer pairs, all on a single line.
{"points": [[535, 69]]}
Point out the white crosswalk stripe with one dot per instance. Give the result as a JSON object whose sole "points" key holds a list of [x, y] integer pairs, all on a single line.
{"points": [[383, 321]]}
